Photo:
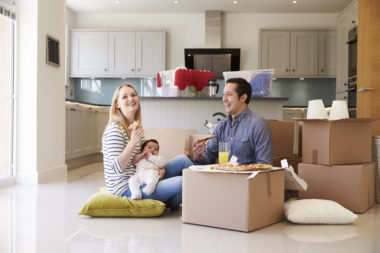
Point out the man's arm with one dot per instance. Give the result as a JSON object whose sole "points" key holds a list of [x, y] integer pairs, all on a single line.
{"points": [[264, 144]]}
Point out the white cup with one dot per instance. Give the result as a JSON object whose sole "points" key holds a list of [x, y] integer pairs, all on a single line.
{"points": [[339, 110], [316, 109]]}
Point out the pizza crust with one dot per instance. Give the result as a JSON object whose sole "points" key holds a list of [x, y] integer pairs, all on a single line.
{"points": [[246, 167], [135, 123], [206, 138]]}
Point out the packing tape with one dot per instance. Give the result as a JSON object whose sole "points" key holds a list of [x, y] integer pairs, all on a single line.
{"points": [[314, 159], [269, 191]]}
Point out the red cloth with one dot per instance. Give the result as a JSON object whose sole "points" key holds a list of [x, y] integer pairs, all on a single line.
{"points": [[197, 78], [159, 84]]}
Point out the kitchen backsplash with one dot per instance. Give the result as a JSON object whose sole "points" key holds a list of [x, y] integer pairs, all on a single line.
{"points": [[299, 92]]}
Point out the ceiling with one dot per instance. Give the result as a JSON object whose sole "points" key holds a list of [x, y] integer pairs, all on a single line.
{"points": [[199, 6]]}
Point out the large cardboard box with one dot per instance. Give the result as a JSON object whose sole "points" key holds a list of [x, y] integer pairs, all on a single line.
{"points": [[227, 200], [286, 137], [352, 186], [346, 141]]}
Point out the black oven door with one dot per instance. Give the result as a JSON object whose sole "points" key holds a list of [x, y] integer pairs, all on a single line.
{"points": [[352, 52]]}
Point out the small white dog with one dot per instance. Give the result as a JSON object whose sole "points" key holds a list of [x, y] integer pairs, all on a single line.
{"points": [[146, 172]]}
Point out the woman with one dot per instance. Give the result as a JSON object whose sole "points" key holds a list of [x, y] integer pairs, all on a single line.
{"points": [[122, 145]]}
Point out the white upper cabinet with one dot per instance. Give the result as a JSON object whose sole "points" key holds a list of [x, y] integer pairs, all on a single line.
{"points": [[89, 54], [304, 53], [122, 53], [298, 53], [117, 54], [327, 53], [150, 49], [275, 51]]}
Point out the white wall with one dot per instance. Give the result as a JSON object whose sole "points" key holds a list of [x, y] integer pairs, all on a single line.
{"points": [[187, 30], [40, 102]]}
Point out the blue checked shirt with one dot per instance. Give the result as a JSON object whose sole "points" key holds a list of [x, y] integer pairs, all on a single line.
{"points": [[249, 136]]}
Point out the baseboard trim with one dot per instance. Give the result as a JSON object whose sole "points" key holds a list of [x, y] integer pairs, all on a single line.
{"points": [[41, 177], [84, 160]]}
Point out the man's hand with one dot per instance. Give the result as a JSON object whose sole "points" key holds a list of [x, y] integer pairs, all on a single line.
{"points": [[198, 148], [161, 172]]}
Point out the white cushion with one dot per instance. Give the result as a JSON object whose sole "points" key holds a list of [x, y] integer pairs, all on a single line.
{"points": [[318, 211]]}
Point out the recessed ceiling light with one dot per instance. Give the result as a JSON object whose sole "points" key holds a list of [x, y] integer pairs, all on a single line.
{"points": [[294, 1], [117, 2], [176, 2], [235, 2]]}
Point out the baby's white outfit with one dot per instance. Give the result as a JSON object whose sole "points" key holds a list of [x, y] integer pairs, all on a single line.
{"points": [[146, 174]]}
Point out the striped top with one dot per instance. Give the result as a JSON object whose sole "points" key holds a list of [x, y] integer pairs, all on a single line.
{"points": [[115, 139]]}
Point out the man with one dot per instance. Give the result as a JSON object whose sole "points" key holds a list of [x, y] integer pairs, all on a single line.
{"points": [[249, 135]]}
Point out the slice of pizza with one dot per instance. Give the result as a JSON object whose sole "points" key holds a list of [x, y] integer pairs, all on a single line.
{"points": [[206, 138], [135, 123]]}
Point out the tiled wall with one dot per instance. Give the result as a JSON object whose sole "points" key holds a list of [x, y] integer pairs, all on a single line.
{"points": [[100, 91]]}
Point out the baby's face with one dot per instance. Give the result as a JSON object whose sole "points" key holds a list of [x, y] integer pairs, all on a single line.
{"points": [[152, 148]]}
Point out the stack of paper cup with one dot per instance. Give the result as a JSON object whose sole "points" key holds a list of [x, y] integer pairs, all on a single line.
{"points": [[316, 109], [339, 110]]}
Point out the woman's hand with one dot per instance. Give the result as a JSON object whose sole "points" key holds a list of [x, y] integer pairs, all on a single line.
{"points": [[137, 134], [161, 172], [198, 148]]}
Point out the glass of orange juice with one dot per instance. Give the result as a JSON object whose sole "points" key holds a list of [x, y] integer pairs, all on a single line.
{"points": [[224, 152]]}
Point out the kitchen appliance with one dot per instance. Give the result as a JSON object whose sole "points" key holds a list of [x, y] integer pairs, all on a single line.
{"points": [[352, 71], [213, 87], [216, 60], [217, 117]]}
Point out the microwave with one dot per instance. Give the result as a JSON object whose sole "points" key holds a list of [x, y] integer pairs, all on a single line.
{"points": [[217, 60]]}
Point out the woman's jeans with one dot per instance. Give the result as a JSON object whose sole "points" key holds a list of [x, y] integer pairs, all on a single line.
{"points": [[169, 189]]}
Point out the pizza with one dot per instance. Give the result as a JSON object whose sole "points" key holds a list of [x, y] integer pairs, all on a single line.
{"points": [[246, 167], [206, 138], [135, 123]]}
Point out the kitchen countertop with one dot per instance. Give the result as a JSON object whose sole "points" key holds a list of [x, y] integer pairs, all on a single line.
{"points": [[186, 98]]}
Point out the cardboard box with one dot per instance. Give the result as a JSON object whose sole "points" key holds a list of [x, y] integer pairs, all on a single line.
{"points": [[285, 141], [227, 200], [352, 186], [293, 161], [346, 141]]}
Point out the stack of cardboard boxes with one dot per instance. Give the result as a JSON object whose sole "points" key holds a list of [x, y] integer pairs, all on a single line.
{"points": [[337, 162]]}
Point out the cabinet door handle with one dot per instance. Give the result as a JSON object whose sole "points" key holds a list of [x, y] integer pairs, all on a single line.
{"points": [[293, 70], [345, 97], [133, 70], [353, 21], [364, 89], [138, 70], [321, 70], [345, 84], [287, 70], [72, 109], [105, 70]]}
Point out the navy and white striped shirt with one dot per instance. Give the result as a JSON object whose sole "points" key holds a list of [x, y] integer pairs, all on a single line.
{"points": [[115, 139]]}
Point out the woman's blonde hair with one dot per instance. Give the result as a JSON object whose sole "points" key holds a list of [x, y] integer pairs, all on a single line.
{"points": [[115, 113]]}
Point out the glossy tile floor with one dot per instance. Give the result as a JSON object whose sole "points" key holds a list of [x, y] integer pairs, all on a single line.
{"points": [[44, 218]]}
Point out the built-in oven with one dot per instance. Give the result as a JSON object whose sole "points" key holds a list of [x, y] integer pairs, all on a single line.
{"points": [[352, 70]]}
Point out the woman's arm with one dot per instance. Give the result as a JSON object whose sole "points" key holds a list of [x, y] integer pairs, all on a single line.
{"points": [[125, 156]]}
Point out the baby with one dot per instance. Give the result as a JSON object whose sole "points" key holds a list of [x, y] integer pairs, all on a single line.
{"points": [[146, 172]]}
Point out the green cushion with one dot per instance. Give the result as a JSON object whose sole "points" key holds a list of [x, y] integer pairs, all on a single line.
{"points": [[103, 204]]}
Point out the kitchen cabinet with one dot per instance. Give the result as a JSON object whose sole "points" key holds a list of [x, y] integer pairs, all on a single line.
{"points": [[298, 53], [84, 129], [346, 20], [117, 53]]}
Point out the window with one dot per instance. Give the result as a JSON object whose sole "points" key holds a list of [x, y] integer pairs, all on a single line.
{"points": [[7, 42]]}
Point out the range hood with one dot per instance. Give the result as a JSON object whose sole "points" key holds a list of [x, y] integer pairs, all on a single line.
{"points": [[213, 29]]}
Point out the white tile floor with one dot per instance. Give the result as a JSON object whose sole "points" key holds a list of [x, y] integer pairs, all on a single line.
{"points": [[43, 218]]}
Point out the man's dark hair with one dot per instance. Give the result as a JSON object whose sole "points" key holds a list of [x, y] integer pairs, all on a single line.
{"points": [[146, 142], [243, 87]]}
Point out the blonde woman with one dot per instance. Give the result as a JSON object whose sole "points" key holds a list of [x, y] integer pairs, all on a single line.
{"points": [[122, 145]]}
